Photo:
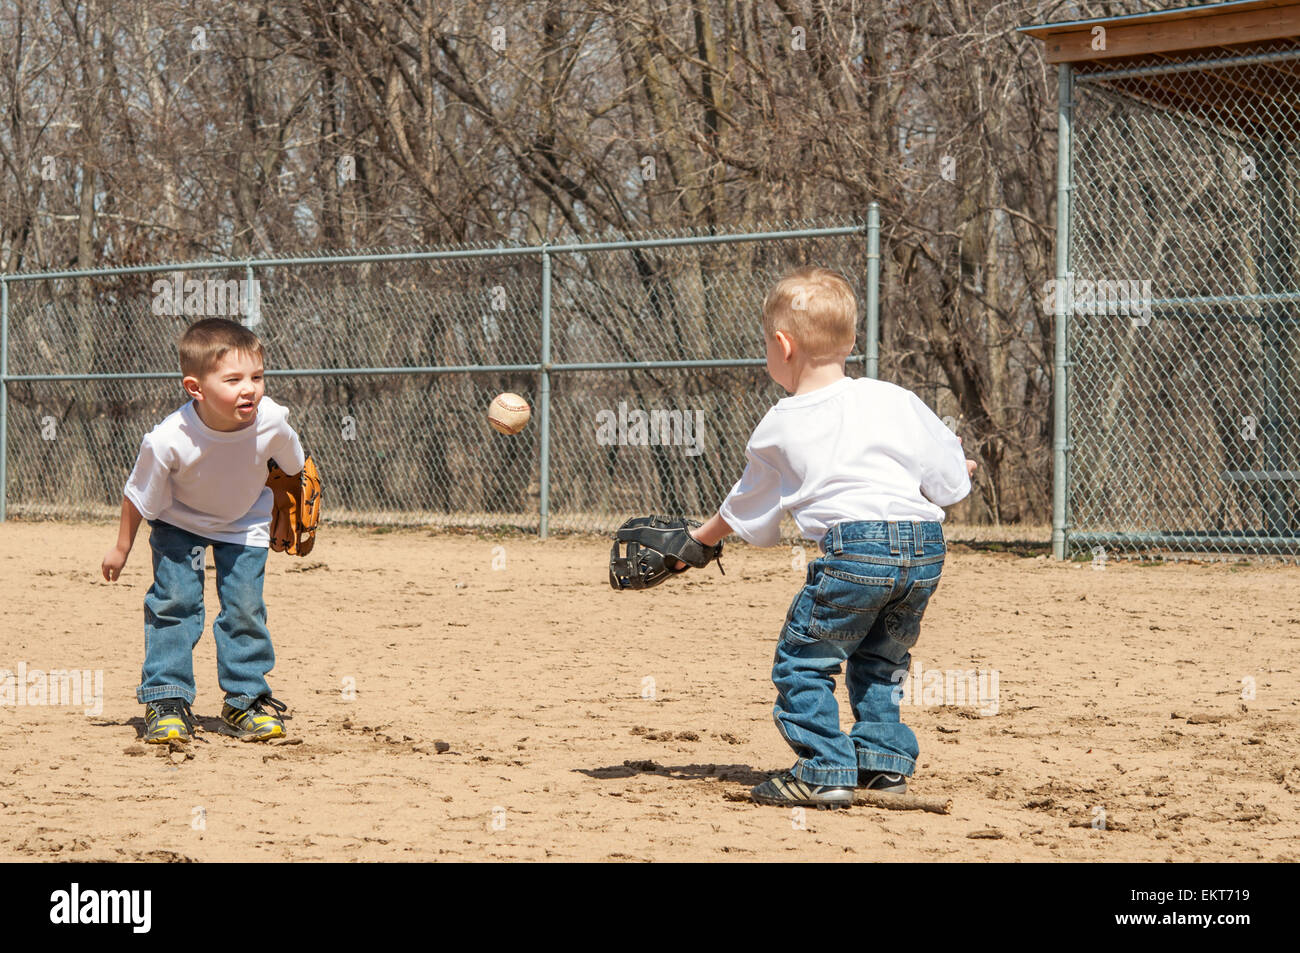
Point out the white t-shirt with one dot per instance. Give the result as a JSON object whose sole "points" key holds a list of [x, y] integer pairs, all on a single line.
{"points": [[210, 482], [858, 449]]}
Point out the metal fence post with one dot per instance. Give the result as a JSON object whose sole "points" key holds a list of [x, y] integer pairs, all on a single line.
{"points": [[544, 398], [1276, 275], [4, 395], [1062, 304], [873, 290], [252, 299]]}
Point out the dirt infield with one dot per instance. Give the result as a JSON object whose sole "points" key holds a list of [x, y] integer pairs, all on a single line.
{"points": [[505, 713]]}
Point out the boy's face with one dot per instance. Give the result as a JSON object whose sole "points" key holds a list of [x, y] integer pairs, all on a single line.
{"points": [[228, 396]]}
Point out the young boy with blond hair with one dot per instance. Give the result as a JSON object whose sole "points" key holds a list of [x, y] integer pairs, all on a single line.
{"points": [[863, 466], [200, 481]]}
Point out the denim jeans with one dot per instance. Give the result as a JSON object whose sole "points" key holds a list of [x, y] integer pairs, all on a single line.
{"points": [[173, 618], [861, 605]]}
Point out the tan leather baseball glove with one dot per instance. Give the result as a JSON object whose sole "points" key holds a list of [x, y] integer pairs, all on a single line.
{"points": [[296, 512]]}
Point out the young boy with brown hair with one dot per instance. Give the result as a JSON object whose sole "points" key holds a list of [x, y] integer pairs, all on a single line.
{"points": [[863, 466], [200, 480]]}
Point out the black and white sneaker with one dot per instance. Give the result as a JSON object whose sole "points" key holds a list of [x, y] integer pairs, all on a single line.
{"points": [[887, 782], [785, 790]]}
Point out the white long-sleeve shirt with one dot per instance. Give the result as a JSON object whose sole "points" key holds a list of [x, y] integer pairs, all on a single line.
{"points": [[212, 482], [858, 449]]}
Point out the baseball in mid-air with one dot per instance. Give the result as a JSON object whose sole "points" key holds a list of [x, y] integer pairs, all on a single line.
{"points": [[509, 413]]}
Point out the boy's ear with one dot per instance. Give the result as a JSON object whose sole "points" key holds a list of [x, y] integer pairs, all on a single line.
{"points": [[192, 387], [786, 343]]}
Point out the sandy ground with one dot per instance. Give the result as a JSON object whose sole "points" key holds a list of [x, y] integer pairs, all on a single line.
{"points": [[502, 713]]}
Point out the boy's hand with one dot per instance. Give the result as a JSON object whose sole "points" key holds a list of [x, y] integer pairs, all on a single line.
{"points": [[116, 557], [649, 549], [676, 565], [971, 465], [113, 563], [703, 535]]}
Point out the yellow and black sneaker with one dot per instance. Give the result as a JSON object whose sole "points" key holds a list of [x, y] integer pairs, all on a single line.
{"points": [[254, 723], [168, 719]]}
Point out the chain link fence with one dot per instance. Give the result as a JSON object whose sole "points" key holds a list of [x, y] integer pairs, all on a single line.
{"points": [[642, 360], [1182, 345]]}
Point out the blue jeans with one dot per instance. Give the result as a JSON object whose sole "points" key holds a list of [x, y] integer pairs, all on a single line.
{"points": [[173, 618], [861, 604]]}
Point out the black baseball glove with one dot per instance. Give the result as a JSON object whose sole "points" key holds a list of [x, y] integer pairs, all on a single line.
{"points": [[645, 547]]}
